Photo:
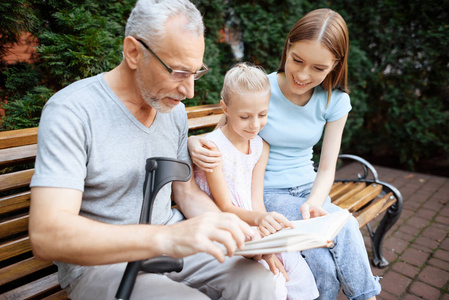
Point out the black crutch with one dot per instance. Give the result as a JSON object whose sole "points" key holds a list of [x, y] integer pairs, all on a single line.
{"points": [[159, 172]]}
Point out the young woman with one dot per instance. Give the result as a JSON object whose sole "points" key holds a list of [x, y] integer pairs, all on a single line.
{"points": [[309, 95], [236, 184]]}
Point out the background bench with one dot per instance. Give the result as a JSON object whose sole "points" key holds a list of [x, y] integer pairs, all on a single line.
{"points": [[24, 277]]}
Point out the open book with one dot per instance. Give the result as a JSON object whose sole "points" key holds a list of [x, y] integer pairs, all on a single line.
{"points": [[307, 234]]}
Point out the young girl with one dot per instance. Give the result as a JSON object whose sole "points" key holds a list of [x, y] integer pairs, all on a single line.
{"points": [[309, 96], [236, 183]]}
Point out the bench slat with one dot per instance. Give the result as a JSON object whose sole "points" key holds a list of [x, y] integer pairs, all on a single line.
{"points": [[21, 269], [375, 208], [361, 198], [36, 288], [18, 137], [15, 180], [340, 190], [203, 110], [349, 191], [60, 295], [203, 122], [335, 186], [17, 155], [14, 202], [13, 226], [14, 248]]}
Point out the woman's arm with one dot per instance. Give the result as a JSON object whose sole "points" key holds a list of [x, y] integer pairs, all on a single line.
{"points": [[326, 170]]}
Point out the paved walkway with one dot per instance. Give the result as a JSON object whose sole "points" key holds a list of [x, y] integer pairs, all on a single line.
{"points": [[417, 246]]}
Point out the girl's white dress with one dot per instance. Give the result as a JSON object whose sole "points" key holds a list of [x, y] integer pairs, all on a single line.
{"points": [[238, 169]]}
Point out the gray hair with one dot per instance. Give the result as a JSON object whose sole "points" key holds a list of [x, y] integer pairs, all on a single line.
{"points": [[148, 17], [244, 78]]}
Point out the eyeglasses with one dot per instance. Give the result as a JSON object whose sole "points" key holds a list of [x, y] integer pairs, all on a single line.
{"points": [[177, 75]]}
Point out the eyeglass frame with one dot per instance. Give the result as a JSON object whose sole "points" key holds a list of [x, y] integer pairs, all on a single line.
{"points": [[196, 75]]}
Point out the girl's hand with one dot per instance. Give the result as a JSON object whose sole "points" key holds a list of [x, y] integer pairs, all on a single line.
{"points": [[312, 211], [271, 222], [275, 265], [204, 153]]}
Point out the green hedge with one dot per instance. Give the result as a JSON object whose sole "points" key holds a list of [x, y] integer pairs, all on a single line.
{"points": [[398, 63]]}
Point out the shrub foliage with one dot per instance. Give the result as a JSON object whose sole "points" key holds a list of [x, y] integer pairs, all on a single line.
{"points": [[398, 61]]}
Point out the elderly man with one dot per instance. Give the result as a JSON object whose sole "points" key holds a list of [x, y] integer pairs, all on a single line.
{"points": [[94, 138]]}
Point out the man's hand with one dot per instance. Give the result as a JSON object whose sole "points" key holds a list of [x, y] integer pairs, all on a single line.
{"points": [[204, 153], [271, 222], [199, 234], [312, 211]]}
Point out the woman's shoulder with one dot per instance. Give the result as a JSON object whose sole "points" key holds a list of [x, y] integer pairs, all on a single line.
{"points": [[336, 94], [338, 106], [257, 146]]}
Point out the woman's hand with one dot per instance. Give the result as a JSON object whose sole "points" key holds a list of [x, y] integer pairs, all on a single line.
{"points": [[312, 211], [275, 265], [204, 153], [271, 222]]}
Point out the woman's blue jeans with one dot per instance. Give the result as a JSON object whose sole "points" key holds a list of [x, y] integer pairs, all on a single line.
{"points": [[345, 264]]}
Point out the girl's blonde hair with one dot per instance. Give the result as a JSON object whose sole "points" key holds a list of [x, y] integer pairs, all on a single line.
{"points": [[329, 28], [244, 78]]}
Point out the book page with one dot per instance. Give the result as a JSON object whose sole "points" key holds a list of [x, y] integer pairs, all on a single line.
{"points": [[307, 234]]}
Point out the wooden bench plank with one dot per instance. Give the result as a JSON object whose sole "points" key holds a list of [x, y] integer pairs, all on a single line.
{"points": [[21, 269], [14, 248], [15, 180], [60, 295], [18, 155], [203, 122], [361, 198], [36, 288], [13, 226], [14, 202], [203, 110], [375, 208], [348, 191], [18, 137], [340, 190], [335, 186]]}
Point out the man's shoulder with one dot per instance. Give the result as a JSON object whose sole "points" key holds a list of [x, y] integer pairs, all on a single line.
{"points": [[77, 90]]}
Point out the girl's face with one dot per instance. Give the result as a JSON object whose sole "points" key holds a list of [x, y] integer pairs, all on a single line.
{"points": [[307, 65], [247, 113]]}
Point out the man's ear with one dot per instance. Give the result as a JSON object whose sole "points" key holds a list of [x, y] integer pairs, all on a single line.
{"points": [[132, 52], [224, 107]]}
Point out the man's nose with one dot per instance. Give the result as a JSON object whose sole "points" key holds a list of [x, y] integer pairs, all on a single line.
{"points": [[187, 87]]}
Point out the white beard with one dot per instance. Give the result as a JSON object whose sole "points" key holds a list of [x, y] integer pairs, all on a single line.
{"points": [[151, 100]]}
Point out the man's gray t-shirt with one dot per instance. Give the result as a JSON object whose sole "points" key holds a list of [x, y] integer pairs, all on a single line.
{"points": [[89, 141]]}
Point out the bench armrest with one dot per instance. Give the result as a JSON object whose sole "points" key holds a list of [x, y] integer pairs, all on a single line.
{"points": [[365, 165]]}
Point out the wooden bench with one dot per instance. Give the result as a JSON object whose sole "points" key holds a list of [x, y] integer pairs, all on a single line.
{"points": [[24, 277]]}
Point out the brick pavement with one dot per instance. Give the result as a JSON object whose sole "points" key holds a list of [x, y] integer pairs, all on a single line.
{"points": [[417, 246]]}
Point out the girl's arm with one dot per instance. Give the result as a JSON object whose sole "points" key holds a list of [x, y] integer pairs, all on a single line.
{"points": [[257, 182], [326, 170], [222, 197], [272, 221]]}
